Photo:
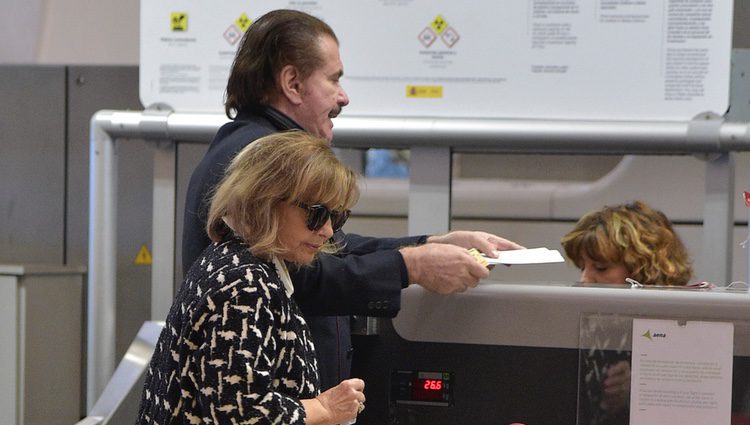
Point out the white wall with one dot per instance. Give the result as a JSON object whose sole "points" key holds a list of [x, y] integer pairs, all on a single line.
{"points": [[19, 30], [69, 32]]}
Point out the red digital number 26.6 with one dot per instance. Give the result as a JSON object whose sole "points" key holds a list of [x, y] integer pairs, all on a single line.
{"points": [[433, 384]]}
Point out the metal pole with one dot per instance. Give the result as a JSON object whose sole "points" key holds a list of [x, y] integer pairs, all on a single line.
{"points": [[718, 219], [100, 351], [163, 229], [541, 136], [429, 190]]}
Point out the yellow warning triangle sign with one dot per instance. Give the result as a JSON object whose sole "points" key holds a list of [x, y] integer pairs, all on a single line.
{"points": [[143, 258]]}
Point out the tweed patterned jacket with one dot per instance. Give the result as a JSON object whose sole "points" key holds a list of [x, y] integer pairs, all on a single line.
{"points": [[235, 348]]}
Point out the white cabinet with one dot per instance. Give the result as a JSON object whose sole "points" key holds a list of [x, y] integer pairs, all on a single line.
{"points": [[41, 340]]}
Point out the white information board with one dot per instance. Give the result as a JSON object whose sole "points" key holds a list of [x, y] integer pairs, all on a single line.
{"points": [[569, 59]]}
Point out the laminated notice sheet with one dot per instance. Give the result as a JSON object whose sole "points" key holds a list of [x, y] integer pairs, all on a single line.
{"points": [[681, 372]]}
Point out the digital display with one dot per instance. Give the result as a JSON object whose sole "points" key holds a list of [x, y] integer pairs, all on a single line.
{"points": [[427, 386], [427, 389], [422, 387]]}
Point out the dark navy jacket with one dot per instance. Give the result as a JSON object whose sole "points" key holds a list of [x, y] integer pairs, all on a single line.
{"points": [[365, 278]]}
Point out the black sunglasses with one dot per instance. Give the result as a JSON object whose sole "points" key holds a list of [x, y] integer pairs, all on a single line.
{"points": [[317, 215]]}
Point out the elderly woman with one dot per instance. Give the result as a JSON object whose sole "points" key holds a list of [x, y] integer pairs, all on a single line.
{"points": [[235, 348], [630, 240]]}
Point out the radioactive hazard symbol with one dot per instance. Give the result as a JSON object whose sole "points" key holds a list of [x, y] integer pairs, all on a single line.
{"points": [[439, 28], [243, 22], [439, 24], [143, 258], [179, 21]]}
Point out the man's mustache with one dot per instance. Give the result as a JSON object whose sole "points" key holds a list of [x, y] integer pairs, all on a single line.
{"points": [[335, 112]]}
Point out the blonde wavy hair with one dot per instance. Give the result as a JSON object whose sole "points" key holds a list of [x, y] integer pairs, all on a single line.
{"points": [[635, 235], [292, 166]]}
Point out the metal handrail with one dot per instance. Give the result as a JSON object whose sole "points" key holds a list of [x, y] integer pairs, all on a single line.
{"points": [[707, 133], [125, 378]]}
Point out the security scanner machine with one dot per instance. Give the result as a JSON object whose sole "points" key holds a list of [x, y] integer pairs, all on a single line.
{"points": [[530, 353]]}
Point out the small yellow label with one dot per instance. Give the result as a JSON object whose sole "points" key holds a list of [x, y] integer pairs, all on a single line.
{"points": [[143, 258], [243, 22], [179, 21], [435, 92], [439, 24]]}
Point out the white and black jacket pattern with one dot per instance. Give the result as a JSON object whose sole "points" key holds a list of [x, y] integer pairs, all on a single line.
{"points": [[235, 348]]}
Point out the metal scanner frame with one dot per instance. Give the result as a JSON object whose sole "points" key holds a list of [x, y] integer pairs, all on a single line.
{"points": [[431, 140]]}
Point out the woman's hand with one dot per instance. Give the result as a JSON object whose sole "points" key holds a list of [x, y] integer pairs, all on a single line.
{"points": [[616, 391], [336, 405]]}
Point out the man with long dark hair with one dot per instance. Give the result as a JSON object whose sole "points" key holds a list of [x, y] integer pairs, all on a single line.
{"points": [[286, 75]]}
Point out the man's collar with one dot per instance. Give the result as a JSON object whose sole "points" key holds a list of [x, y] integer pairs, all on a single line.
{"points": [[277, 118]]}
